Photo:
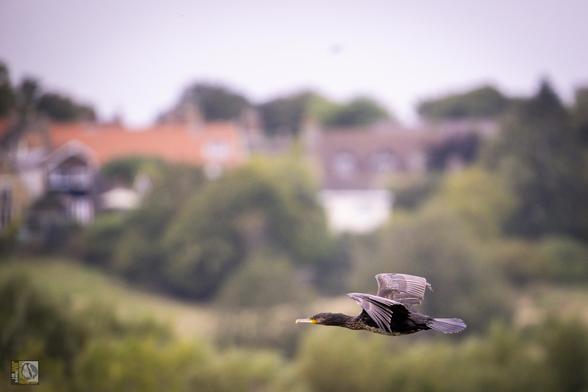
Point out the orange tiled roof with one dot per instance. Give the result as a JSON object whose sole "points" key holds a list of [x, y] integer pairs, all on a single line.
{"points": [[176, 143]]}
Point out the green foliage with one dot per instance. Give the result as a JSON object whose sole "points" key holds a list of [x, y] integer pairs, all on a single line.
{"points": [[542, 161], [565, 344], [482, 102], [265, 281], [245, 370], [7, 94], [48, 228], [287, 114], [91, 349], [358, 112], [479, 197], [439, 245], [554, 260], [412, 192], [87, 347], [62, 108], [141, 365], [566, 260], [127, 169], [337, 360], [580, 114], [130, 245], [101, 238], [215, 102], [246, 210], [33, 324], [189, 235], [551, 357], [520, 261], [8, 238], [30, 98]]}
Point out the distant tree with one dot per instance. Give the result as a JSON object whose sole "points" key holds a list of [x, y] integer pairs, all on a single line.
{"points": [[412, 193], [131, 245], [27, 96], [254, 208], [540, 155], [287, 114], [438, 244], [61, 108], [125, 170], [482, 102], [29, 99], [580, 113], [357, 112], [32, 321], [461, 147], [7, 94], [479, 197], [215, 102], [274, 278], [566, 354]]}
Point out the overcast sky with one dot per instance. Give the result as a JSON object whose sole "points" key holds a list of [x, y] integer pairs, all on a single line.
{"points": [[134, 57]]}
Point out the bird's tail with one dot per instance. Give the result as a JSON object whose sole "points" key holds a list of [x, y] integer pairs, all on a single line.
{"points": [[446, 325]]}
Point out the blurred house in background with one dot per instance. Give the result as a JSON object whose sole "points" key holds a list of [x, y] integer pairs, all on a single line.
{"points": [[356, 166], [63, 160], [213, 146], [70, 170]]}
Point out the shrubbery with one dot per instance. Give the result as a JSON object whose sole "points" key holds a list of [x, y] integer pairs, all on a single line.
{"points": [[89, 348], [190, 235]]}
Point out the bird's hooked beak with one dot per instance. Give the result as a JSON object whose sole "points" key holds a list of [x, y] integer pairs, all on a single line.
{"points": [[306, 321]]}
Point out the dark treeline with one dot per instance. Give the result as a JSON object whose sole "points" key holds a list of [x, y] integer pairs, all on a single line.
{"points": [[29, 97], [283, 115]]}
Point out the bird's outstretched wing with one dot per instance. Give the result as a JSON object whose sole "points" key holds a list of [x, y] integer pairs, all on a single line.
{"points": [[380, 309], [409, 290]]}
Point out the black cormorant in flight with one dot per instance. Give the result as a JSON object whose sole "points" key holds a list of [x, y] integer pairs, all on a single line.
{"points": [[390, 311]]}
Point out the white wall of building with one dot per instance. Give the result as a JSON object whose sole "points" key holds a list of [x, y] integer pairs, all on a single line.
{"points": [[356, 211]]}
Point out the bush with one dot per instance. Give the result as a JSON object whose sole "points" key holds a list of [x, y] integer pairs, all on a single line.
{"points": [[101, 238], [520, 261], [438, 246], [553, 259], [264, 281], [338, 360], [566, 260], [412, 194], [247, 211]]}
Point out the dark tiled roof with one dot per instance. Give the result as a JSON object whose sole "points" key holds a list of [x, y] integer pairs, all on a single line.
{"points": [[365, 159]]}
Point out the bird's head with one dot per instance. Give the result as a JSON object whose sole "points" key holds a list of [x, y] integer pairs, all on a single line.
{"points": [[325, 319]]}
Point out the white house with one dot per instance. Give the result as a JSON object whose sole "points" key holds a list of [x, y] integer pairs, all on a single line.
{"points": [[356, 167]]}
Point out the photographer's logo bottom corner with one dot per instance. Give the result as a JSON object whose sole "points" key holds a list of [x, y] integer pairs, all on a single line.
{"points": [[24, 372]]}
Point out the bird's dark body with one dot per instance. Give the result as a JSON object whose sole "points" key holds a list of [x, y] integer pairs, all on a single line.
{"points": [[391, 311], [402, 323]]}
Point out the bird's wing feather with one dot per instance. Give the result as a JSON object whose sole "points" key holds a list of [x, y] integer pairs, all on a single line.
{"points": [[406, 289], [378, 308]]}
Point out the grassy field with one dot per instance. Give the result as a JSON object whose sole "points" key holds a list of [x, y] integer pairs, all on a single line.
{"points": [[83, 284]]}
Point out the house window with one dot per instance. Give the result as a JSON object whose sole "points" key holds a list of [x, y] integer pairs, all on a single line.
{"points": [[344, 164], [5, 207], [216, 150], [384, 162]]}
